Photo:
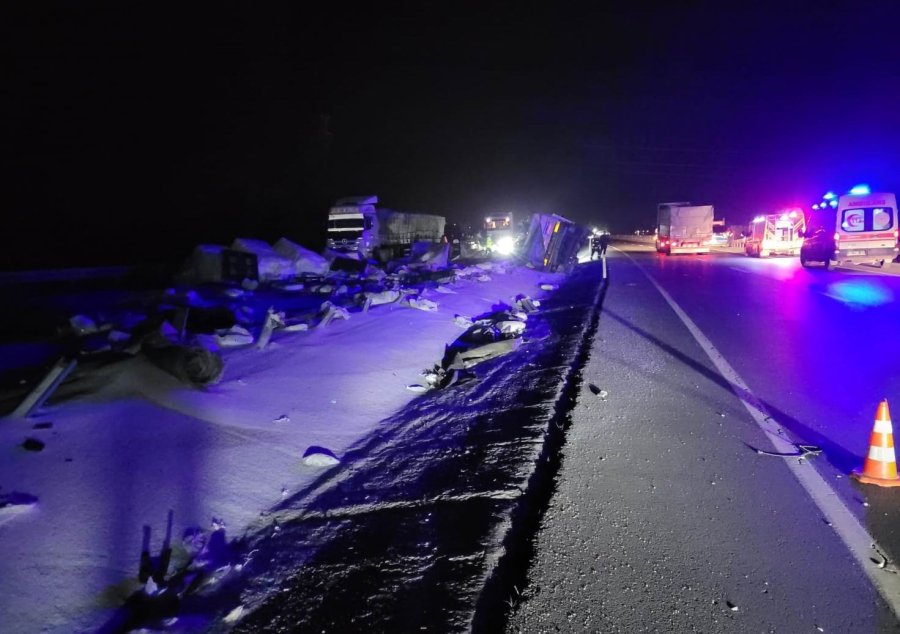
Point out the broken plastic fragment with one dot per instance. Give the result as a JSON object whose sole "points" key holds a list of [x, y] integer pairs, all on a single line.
{"points": [[319, 457]]}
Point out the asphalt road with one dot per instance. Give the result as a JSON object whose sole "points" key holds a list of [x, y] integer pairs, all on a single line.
{"points": [[665, 517]]}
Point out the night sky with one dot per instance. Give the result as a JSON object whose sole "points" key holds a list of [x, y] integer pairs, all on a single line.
{"points": [[133, 131]]}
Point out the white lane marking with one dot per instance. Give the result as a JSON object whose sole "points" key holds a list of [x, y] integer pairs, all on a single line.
{"points": [[857, 539]]}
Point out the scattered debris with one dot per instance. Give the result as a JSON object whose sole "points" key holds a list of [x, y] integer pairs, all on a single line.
{"points": [[45, 389], [192, 364], [33, 444], [235, 615], [273, 321], [328, 312], [731, 606], [17, 501], [417, 388], [319, 457], [596, 391], [284, 418], [513, 327], [83, 325], [803, 451], [421, 303], [234, 337], [462, 322]]}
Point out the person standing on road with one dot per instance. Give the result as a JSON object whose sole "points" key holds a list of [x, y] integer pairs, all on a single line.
{"points": [[595, 246], [604, 242]]}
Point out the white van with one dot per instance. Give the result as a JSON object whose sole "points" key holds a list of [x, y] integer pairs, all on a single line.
{"points": [[861, 230]]}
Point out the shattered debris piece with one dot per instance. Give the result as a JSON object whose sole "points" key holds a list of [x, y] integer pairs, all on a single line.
{"points": [[511, 327], [83, 325], [295, 327], [382, 297], [596, 391], [445, 290], [193, 364], [329, 312], [16, 501], [290, 287], [319, 457], [483, 278], [466, 358], [284, 418], [33, 444], [548, 287], [422, 304], [235, 615], [234, 293], [150, 588], [117, 336], [462, 322], [526, 304], [417, 388], [233, 337]]}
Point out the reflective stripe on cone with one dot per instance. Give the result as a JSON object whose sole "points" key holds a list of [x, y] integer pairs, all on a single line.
{"points": [[880, 466]]}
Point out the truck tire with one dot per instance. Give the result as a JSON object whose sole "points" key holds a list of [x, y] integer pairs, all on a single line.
{"points": [[803, 261], [826, 264]]}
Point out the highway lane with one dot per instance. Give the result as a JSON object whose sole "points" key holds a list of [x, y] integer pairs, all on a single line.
{"points": [[819, 348], [637, 537]]}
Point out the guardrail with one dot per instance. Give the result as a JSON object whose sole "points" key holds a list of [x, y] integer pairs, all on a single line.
{"points": [[63, 275]]}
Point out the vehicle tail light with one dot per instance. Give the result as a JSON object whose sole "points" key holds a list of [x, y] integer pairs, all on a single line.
{"points": [[837, 237], [897, 234]]}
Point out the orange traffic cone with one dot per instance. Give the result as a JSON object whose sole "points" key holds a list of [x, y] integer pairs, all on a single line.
{"points": [[881, 464]]}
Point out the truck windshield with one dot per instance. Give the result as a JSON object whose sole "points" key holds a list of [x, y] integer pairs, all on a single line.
{"points": [[345, 223]]}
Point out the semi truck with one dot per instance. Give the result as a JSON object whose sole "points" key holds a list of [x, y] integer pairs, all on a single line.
{"points": [[500, 233], [553, 242], [779, 233], [356, 225], [683, 228]]}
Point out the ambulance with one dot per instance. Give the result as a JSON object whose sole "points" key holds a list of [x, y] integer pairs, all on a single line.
{"points": [[861, 229]]}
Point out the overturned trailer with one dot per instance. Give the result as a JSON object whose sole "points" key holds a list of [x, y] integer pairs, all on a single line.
{"points": [[553, 242]]}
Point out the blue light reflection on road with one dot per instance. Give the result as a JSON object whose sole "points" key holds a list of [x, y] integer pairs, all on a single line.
{"points": [[860, 293]]}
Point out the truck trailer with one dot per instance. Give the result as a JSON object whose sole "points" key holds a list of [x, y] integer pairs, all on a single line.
{"points": [[773, 234], [357, 226], [683, 228]]}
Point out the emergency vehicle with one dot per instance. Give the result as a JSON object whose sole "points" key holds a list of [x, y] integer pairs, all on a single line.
{"points": [[861, 229], [779, 233]]}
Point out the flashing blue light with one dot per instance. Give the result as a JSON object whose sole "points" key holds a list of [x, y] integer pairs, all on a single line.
{"points": [[828, 196], [833, 203], [861, 190]]}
